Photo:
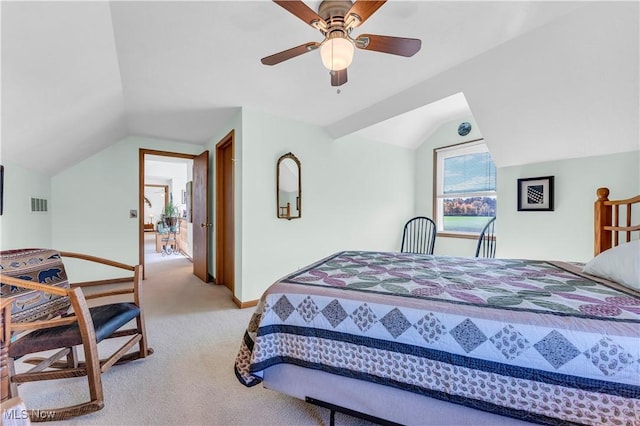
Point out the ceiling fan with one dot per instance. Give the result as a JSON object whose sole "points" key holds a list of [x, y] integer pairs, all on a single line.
{"points": [[335, 20]]}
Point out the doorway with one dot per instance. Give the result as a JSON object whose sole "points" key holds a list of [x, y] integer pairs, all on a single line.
{"points": [[159, 238], [225, 212]]}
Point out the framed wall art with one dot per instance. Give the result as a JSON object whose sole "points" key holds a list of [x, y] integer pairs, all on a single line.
{"points": [[535, 194]]}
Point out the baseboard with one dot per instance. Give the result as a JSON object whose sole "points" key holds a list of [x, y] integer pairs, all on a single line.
{"points": [[243, 305]]}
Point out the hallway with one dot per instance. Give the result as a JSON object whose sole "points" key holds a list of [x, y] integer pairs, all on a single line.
{"points": [[157, 264]]}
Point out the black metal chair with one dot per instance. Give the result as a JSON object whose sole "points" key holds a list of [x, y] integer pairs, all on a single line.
{"points": [[487, 240], [419, 236]]}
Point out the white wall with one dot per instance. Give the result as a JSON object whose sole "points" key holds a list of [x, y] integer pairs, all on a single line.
{"points": [[356, 194], [171, 173], [563, 234], [19, 227], [92, 200], [156, 197], [567, 232]]}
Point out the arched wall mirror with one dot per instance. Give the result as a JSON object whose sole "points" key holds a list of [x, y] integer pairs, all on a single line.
{"points": [[289, 187]]}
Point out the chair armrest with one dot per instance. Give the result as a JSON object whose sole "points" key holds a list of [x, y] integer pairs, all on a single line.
{"points": [[97, 260], [78, 297], [137, 276], [4, 279], [79, 314]]}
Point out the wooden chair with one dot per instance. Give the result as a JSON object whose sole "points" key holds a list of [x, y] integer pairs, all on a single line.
{"points": [[419, 236], [40, 311], [487, 240]]}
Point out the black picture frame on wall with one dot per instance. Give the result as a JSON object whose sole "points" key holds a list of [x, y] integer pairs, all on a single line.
{"points": [[536, 194]]}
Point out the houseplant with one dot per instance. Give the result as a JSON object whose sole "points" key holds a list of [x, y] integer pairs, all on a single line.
{"points": [[171, 213]]}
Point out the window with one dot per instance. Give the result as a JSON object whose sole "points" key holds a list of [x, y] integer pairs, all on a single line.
{"points": [[465, 193]]}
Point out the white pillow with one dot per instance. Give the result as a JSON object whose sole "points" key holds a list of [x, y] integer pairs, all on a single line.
{"points": [[620, 264]]}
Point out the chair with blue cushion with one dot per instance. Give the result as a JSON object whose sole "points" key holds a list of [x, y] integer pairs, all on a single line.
{"points": [[41, 312], [419, 236]]}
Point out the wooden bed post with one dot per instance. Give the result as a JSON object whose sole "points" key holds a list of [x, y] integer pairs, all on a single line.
{"points": [[602, 218]]}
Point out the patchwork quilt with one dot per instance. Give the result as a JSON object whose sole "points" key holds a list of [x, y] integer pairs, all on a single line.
{"points": [[529, 339]]}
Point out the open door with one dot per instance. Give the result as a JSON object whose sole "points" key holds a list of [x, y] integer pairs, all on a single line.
{"points": [[201, 225]]}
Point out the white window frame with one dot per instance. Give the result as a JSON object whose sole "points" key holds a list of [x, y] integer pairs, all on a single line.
{"points": [[439, 155]]}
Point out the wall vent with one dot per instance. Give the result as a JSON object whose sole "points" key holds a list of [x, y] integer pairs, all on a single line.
{"points": [[39, 205]]}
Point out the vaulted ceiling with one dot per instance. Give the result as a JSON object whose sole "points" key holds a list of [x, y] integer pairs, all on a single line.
{"points": [[79, 76]]}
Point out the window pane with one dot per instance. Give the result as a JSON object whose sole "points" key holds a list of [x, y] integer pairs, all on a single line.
{"points": [[469, 173], [465, 196], [468, 214]]}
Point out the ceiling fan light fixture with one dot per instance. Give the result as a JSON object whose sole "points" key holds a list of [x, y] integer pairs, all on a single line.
{"points": [[337, 53], [335, 19]]}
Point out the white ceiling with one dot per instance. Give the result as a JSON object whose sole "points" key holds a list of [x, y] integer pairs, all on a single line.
{"points": [[411, 128], [79, 76]]}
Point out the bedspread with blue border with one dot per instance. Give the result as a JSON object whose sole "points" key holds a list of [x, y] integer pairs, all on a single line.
{"points": [[530, 339]]}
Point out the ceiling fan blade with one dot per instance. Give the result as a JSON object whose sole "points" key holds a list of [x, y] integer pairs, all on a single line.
{"points": [[276, 58], [387, 44], [364, 9], [301, 10], [338, 78]]}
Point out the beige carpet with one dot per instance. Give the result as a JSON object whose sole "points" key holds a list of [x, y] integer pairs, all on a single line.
{"points": [[195, 330]]}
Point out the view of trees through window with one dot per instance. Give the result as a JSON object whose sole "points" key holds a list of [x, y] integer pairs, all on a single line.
{"points": [[468, 214], [466, 196]]}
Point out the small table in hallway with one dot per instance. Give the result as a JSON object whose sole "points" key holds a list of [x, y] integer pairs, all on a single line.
{"points": [[166, 238]]}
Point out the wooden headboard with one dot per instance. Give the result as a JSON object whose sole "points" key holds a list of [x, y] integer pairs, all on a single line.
{"points": [[607, 220]]}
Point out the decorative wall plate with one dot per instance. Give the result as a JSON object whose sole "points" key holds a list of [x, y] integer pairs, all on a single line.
{"points": [[464, 128]]}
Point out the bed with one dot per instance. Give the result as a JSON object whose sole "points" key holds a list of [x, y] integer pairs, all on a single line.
{"points": [[399, 337]]}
